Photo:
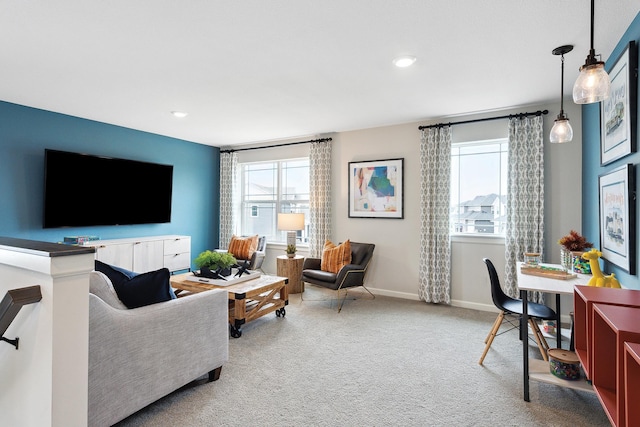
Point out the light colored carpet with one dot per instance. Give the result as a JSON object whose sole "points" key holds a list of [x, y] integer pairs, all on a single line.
{"points": [[380, 362]]}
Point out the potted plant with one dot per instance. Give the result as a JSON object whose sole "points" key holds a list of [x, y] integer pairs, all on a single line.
{"points": [[291, 251], [212, 263], [573, 245]]}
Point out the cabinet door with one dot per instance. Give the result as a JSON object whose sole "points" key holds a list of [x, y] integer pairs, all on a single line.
{"points": [[120, 255], [148, 256]]}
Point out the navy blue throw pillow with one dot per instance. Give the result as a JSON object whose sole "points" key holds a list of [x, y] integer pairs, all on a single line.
{"points": [[140, 289], [115, 274], [129, 274]]}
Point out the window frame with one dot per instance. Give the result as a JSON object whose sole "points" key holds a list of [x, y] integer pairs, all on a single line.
{"points": [[503, 156], [276, 198]]}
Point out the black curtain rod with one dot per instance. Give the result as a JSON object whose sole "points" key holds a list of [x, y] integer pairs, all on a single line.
{"points": [[510, 116], [279, 145]]}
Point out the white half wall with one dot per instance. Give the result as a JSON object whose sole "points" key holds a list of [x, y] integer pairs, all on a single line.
{"points": [[45, 381]]}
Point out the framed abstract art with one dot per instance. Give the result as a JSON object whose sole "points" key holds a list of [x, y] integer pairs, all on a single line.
{"points": [[376, 189]]}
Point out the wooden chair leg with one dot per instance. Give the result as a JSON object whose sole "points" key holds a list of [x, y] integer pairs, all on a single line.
{"points": [[542, 343], [491, 336], [493, 328], [542, 339]]}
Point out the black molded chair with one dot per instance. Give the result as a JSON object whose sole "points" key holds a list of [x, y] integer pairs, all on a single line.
{"points": [[351, 275], [512, 306]]}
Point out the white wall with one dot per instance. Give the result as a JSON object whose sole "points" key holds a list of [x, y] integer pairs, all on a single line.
{"points": [[394, 268]]}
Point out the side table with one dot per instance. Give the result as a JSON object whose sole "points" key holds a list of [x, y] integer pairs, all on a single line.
{"points": [[291, 268]]}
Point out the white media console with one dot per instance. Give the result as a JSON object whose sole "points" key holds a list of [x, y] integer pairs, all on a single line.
{"points": [[142, 254]]}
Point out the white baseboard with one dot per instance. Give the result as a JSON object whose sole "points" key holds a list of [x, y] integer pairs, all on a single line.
{"points": [[565, 319], [475, 306], [394, 294]]}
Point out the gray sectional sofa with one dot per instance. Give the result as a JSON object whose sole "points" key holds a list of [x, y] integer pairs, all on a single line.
{"points": [[137, 356]]}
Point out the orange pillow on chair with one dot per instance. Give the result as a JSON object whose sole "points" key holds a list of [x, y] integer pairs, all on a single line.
{"points": [[335, 257], [243, 247]]}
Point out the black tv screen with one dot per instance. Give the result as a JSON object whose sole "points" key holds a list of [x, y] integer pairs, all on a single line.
{"points": [[85, 190]]}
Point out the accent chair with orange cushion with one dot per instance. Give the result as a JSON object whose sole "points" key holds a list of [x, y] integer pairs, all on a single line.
{"points": [[335, 257], [248, 248], [341, 266]]}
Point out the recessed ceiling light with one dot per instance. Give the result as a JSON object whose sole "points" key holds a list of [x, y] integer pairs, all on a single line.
{"points": [[179, 114], [404, 61]]}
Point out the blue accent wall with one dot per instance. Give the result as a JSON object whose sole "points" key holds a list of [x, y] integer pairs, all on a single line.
{"points": [[25, 133], [591, 169]]}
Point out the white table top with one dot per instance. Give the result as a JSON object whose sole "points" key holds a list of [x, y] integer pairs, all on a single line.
{"points": [[528, 282]]}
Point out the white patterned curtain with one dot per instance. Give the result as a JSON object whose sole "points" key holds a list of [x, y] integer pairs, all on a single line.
{"points": [[319, 196], [228, 173], [435, 244], [525, 197]]}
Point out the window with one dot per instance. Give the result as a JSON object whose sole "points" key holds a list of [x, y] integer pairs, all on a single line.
{"points": [[269, 188], [479, 187]]}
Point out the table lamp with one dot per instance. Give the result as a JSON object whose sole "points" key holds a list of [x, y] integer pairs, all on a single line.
{"points": [[291, 222]]}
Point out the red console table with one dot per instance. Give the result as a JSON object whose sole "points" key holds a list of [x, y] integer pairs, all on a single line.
{"points": [[632, 383], [583, 299], [613, 326]]}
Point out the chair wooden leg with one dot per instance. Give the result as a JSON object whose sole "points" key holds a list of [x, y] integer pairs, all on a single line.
{"points": [[542, 339], [493, 328], [492, 335], [542, 343]]}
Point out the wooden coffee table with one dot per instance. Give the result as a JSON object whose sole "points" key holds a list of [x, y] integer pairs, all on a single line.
{"points": [[247, 300]]}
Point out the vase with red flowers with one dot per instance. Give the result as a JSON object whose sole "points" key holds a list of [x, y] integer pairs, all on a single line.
{"points": [[572, 246]]}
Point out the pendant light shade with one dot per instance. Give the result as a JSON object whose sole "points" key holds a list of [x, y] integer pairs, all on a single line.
{"points": [[593, 83], [561, 130]]}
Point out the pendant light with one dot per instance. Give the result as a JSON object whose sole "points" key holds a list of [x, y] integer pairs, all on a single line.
{"points": [[593, 83], [561, 130]]}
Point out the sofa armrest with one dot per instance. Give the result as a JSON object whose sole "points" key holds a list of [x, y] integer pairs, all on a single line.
{"points": [[140, 355]]}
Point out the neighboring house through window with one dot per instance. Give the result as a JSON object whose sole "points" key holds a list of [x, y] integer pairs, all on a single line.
{"points": [[269, 188], [479, 186]]}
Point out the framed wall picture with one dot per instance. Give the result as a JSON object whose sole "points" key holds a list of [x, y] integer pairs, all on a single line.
{"points": [[376, 189], [617, 217], [618, 113]]}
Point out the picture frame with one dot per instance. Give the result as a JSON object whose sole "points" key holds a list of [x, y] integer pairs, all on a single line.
{"points": [[617, 217], [376, 189], [618, 113]]}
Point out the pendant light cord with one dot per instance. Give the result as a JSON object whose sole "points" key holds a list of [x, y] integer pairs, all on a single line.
{"points": [[562, 86], [593, 52]]}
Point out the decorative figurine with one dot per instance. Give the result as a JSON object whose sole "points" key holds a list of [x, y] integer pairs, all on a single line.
{"points": [[599, 279], [242, 269]]}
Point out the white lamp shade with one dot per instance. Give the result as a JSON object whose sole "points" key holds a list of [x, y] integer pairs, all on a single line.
{"points": [[592, 85], [561, 131], [290, 221]]}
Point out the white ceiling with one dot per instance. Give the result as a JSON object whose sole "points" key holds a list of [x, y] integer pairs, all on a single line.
{"points": [[262, 70]]}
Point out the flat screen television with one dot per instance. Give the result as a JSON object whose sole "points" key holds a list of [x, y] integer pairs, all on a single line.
{"points": [[86, 190]]}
